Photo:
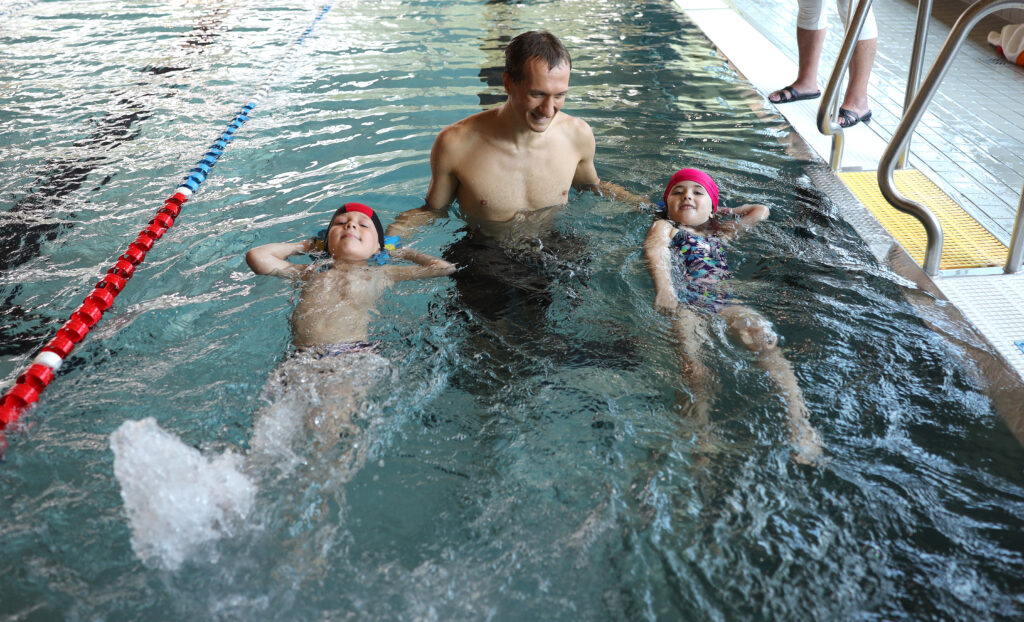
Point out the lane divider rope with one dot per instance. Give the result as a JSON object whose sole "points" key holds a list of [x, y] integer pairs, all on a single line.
{"points": [[41, 372]]}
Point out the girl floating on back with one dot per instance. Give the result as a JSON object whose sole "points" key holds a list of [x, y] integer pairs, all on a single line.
{"points": [[686, 256]]}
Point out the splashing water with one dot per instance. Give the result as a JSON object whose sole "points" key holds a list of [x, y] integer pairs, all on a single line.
{"points": [[177, 500]]}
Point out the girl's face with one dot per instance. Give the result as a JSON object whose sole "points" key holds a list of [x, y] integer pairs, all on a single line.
{"points": [[689, 204]]}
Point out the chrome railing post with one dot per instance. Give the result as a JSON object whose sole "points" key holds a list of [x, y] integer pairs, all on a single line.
{"points": [[924, 13], [826, 111], [1013, 258], [912, 115]]}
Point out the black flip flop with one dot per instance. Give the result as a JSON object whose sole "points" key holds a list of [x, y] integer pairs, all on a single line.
{"points": [[790, 94], [851, 118]]}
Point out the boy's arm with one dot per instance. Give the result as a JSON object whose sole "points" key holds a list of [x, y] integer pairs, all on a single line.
{"points": [[427, 266], [272, 259], [658, 264]]}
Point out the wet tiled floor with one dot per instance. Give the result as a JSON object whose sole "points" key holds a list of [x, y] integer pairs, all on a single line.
{"points": [[970, 141]]}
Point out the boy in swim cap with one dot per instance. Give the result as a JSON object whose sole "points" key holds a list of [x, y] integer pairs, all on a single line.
{"points": [[334, 306], [330, 323], [686, 257]]}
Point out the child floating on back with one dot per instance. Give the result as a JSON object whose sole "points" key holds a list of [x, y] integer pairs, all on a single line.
{"points": [[686, 256], [323, 384], [330, 323], [334, 307]]}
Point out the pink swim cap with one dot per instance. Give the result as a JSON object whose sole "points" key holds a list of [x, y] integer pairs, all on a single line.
{"points": [[702, 178]]}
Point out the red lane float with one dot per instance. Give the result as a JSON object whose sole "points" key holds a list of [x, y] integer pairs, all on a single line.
{"points": [[30, 384], [25, 392]]}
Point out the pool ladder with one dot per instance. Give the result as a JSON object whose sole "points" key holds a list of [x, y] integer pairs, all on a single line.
{"points": [[896, 152]]}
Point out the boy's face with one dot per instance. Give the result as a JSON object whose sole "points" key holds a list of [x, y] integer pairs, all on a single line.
{"points": [[352, 237], [689, 204]]}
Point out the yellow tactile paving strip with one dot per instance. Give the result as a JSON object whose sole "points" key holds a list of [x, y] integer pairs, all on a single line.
{"points": [[966, 243]]}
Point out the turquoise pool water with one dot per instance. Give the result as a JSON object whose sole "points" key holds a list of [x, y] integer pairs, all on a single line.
{"points": [[527, 465]]}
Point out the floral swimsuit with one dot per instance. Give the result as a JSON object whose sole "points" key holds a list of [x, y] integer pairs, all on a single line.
{"points": [[700, 266]]}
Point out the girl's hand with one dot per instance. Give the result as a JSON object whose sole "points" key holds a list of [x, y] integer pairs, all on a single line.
{"points": [[666, 302]]}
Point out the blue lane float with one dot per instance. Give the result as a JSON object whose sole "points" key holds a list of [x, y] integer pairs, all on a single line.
{"points": [[41, 372]]}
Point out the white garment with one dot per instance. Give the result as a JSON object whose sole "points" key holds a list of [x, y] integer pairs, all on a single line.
{"points": [[1010, 41], [812, 16]]}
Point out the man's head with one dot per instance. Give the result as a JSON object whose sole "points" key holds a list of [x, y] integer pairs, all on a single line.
{"points": [[534, 44], [536, 78], [354, 233]]}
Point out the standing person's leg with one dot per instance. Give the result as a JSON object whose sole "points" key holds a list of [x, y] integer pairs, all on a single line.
{"points": [[810, 37], [856, 99], [808, 45]]}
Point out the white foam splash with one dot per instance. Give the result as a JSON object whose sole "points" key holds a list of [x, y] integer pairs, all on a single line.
{"points": [[176, 499]]}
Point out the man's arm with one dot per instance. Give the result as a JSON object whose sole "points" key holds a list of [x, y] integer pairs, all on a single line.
{"points": [[607, 188], [440, 194], [272, 259], [586, 177]]}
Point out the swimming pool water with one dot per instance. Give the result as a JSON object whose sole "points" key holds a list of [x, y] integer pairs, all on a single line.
{"points": [[532, 464]]}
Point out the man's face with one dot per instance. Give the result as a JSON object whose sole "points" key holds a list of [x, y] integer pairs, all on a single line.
{"points": [[352, 236], [541, 93]]}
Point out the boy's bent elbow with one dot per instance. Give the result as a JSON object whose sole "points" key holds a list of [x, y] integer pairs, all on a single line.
{"points": [[255, 261]]}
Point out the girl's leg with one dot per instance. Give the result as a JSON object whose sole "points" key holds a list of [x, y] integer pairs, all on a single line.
{"points": [[691, 336], [756, 333]]}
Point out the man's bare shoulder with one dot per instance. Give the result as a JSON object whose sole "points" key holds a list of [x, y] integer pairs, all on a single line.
{"points": [[575, 128], [472, 125]]}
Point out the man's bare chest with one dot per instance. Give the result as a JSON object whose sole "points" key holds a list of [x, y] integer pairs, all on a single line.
{"points": [[499, 184]]}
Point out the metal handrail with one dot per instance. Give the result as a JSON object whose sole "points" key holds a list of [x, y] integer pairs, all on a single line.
{"points": [[1016, 253], [924, 13], [901, 138], [829, 99], [827, 109]]}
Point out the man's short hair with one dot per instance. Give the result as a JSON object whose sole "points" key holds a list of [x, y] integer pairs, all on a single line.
{"points": [[534, 44]]}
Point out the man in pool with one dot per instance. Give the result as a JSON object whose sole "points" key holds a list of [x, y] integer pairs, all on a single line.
{"points": [[511, 168], [330, 323], [521, 156]]}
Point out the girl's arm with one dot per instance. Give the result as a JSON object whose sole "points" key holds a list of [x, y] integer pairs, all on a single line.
{"points": [[659, 265], [750, 215], [427, 266], [272, 259]]}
